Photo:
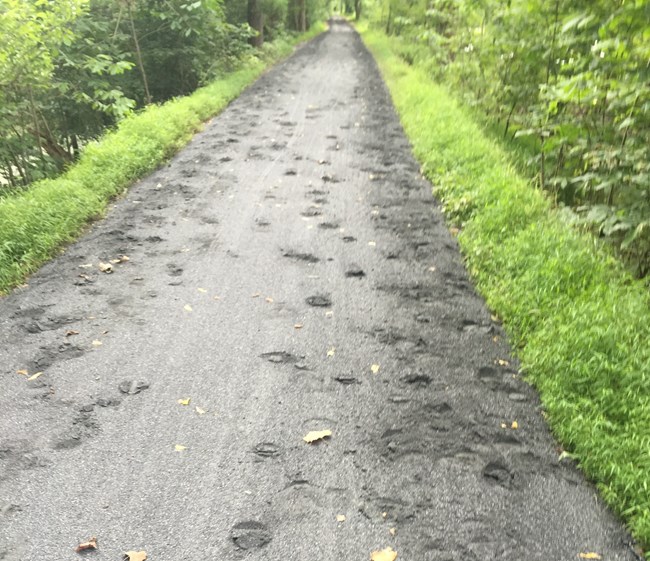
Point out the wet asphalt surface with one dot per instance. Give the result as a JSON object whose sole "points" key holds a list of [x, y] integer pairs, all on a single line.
{"points": [[286, 250]]}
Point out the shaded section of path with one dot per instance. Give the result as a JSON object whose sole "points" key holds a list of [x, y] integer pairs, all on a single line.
{"points": [[287, 272]]}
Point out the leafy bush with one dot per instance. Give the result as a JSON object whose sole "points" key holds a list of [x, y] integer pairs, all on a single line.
{"points": [[569, 79]]}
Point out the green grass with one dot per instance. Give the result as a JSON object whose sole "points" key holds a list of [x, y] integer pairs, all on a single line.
{"points": [[36, 223], [579, 323]]}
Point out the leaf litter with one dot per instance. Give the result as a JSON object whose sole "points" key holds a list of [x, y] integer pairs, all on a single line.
{"points": [[316, 435]]}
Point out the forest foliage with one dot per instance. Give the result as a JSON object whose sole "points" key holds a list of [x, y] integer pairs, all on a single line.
{"points": [[566, 82], [70, 69]]}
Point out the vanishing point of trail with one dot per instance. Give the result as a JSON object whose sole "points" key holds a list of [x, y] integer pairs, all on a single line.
{"points": [[287, 272]]}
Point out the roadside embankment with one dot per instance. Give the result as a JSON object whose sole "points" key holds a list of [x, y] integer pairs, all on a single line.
{"points": [[580, 323], [34, 224]]}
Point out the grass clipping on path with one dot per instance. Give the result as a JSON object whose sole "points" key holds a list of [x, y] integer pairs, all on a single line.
{"points": [[34, 224], [579, 323]]}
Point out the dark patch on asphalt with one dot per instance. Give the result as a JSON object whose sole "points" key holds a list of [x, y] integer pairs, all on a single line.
{"points": [[280, 357], [133, 387], [250, 534], [319, 300], [300, 256]]}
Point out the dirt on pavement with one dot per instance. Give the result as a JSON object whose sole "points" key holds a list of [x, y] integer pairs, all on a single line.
{"points": [[287, 272]]}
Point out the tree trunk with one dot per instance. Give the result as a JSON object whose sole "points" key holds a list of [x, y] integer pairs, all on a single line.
{"points": [[357, 9], [302, 11], [256, 21], [138, 54]]}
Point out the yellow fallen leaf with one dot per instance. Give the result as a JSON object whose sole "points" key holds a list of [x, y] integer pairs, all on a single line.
{"points": [[340, 517], [392, 531], [180, 447], [203, 290], [97, 343], [106, 268], [374, 368], [372, 244], [331, 352], [187, 308], [315, 435], [384, 515], [502, 362], [329, 314], [200, 411], [90, 544], [504, 426], [515, 425], [34, 376], [185, 401], [135, 556], [454, 231], [384, 555], [22, 372], [590, 555]]}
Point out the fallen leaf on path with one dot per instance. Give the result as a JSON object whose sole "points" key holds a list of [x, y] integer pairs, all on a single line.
{"points": [[316, 435], [90, 544], [180, 447], [515, 425], [329, 314], [340, 517], [86, 266], [185, 401], [97, 343], [34, 376], [217, 297], [202, 290], [384, 555], [187, 308], [135, 556], [432, 269], [71, 332], [200, 411], [298, 326], [374, 368], [22, 372], [256, 295], [372, 244], [269, 299], [384, 515], [331, 352], [106, 268], [392, 531], [590, 555], [502, 362], [454, 231], [122, 259]]}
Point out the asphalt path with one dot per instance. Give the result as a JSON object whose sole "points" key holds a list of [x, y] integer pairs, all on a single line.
{"points": [[289, 271]]}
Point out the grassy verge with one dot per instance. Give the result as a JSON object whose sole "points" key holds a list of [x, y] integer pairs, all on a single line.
{"points": [[34, 224], [580, 324]]}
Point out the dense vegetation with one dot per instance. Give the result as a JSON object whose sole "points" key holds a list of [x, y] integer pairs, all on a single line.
{"points": [[71, 68], [566, 81], [579, 323]]}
